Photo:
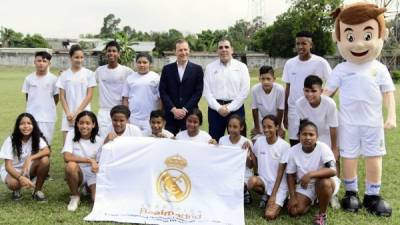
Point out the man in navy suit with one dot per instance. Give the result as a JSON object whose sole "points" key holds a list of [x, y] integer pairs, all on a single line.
{"points": [[181, 87]]}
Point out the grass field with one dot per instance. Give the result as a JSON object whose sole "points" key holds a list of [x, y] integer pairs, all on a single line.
{"points": [[54, 211]]}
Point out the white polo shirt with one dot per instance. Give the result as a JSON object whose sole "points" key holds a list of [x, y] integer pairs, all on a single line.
{"points": [[202, 136]]}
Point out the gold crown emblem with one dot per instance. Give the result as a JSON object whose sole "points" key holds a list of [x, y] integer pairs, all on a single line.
{"points": [[176, 161]]}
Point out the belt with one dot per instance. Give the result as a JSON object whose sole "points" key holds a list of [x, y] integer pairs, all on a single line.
{"points": [[223, 102]]}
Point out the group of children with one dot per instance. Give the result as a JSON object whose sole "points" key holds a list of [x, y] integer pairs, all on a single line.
{"points": [[296, 176]]}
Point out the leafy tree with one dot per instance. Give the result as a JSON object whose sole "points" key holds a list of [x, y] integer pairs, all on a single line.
{"points": [[312, 15], [127, 52], [10, 38], [242, 32], [110, 26], [35, 41]]}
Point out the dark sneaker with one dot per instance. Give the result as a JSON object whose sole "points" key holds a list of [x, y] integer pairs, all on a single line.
{"points": [[263, 201], [16, 195], [247, 198], [320, 219], [351, 202], [377, 206], [39, 196]]}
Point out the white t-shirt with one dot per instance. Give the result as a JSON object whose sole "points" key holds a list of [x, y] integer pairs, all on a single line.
{"points": [[360, 92], [324, 116], [76, 86], [267, 104], [142, 91], [301, 163], [130, 130], [111, 83], [8, 153], [227, 142], [41, 91], [268, 159], [164, 132], [83, 148], [202, 136], [295, 72]]}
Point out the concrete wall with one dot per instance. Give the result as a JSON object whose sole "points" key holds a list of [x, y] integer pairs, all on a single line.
{"points": [[25, 57], [59, 60]]}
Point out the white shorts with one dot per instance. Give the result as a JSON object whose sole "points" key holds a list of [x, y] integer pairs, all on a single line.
{"points": [[144, 125], [104, 120], [65, 125], [4, 173], [89, 178], [293, 125], [47, 129], [310, 193], [361, 140], [281, 195], [248, 173]]}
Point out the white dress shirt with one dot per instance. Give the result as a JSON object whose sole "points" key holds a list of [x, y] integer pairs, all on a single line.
{"points": [[226, 82], [181, 70]]}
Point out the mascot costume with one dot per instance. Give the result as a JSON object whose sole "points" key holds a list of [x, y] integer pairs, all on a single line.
{"points": [[364, 84]]}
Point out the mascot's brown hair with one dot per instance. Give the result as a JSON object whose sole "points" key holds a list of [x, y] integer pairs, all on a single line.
{"points": [[359, 13]]}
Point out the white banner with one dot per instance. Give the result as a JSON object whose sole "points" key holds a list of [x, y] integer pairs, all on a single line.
{"points": [[164, 181]]}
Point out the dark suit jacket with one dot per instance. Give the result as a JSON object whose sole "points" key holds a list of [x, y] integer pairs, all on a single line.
{"points": [[174, 93]]}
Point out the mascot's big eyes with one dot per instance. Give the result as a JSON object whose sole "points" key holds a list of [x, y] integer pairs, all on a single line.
{"points": [[367, 36], [350, 37]]}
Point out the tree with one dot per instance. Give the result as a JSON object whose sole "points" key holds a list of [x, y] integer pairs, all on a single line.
{"points": [[165, 41], [242, 32], [110, 26], [10, 38], [127, 53], [312, 15], [35, 41]]}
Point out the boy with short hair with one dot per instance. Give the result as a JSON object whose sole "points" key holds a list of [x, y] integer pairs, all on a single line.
{"points": [[268, 98], [42, 94], [321, 110], [110, 78], [157, 124], [120, 125], [295, 71]]}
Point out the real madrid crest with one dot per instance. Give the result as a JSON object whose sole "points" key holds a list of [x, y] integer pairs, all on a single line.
{"points": [[173, 185]]}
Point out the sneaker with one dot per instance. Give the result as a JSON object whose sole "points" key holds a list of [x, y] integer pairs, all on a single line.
{"points": [[49, 178], [335, 204], [85, 192], [351, 202], [320, 219], [73, 203], [377, 206], [247, 198], [263, 201], [16, 195], [39, 196]]}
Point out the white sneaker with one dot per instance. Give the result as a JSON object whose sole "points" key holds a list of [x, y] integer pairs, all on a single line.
{"points": [[335, 204], [73, 203]]}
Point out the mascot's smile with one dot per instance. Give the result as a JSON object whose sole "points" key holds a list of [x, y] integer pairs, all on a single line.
{"points": [[359, 54]]}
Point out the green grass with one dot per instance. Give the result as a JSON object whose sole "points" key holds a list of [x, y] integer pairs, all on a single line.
{"points": [[27, 211]]}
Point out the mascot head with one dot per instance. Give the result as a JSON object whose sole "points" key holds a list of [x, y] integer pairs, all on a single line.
{"points": [[359, 31]]}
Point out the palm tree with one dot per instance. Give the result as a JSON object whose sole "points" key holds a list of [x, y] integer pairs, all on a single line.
{"points": [[6, 36]]}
